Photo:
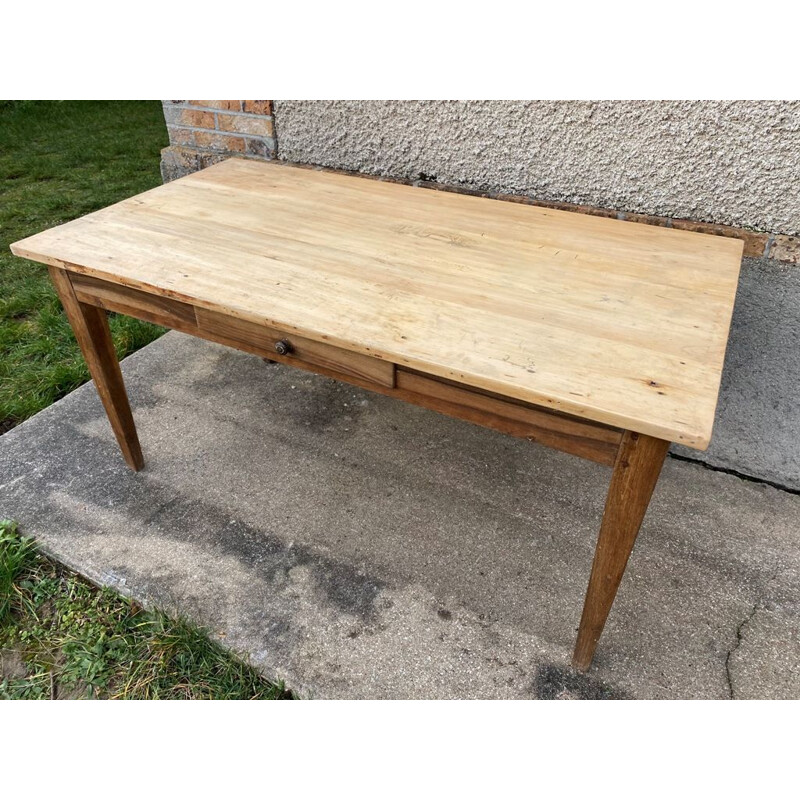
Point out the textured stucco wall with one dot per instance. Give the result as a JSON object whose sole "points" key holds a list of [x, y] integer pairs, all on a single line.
{"points": [[733, 163]]}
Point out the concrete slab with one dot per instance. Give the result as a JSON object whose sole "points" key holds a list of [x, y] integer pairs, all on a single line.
{"points": [[358, 547]]}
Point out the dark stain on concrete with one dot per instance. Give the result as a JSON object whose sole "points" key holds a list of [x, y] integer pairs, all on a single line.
{"points": [[346, 589], [553, 682], [329, 404], [306, 401], [212, 529], [339, 584]]}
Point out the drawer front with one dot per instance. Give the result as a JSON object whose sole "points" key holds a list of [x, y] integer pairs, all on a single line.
{"points": [[241, 334], [581, 437], [133, 302], [292, 349]]}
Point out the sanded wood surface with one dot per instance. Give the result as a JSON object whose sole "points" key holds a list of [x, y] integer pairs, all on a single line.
{"points": [[616, 322]]}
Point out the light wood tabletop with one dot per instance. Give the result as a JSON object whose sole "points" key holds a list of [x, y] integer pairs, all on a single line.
{"points": [[601, 338], [612, 321]]}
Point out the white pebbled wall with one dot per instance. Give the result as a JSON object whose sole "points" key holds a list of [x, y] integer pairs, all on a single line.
{"points": [[733, 163]]}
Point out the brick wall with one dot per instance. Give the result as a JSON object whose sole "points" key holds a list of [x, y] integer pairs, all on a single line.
{"points": [[202, 132]]}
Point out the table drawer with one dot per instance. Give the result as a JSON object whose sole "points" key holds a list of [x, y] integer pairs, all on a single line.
{"points": [[289, 348], [232, 331], [134, 302]]}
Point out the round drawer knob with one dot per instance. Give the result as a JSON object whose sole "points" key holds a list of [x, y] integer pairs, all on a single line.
{"points": [[283, 347]]}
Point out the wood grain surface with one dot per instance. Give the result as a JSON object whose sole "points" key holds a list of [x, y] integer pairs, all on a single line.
{"points": [[616, 322]]}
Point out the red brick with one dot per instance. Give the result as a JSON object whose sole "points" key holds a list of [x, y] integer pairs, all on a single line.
{"points": [[190, 118], [514, 198], [370, 176], [179, 161], [393, 179], [258, 106], [592, 211], [648, 219], [251, 125], [786, 248], [754, 243], [223, 105], [260, 148], [217, 141], [444, 187], [180, 136]]}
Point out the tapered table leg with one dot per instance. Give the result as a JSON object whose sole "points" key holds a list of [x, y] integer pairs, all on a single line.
{"points": [[636, 472], [90, 325]]}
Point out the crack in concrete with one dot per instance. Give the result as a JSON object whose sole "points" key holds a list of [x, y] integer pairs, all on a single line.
{"points": [[733, 649], [741, 475], [740, 627]]}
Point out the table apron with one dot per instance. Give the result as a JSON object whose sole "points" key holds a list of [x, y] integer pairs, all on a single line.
{"points": [[584, 438]]}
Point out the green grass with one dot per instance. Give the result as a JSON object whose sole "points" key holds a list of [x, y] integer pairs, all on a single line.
{"points": [[60, 636], [58, 161]]}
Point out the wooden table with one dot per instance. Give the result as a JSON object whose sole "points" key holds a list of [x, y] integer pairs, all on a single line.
{"points": [[601, 338]]}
